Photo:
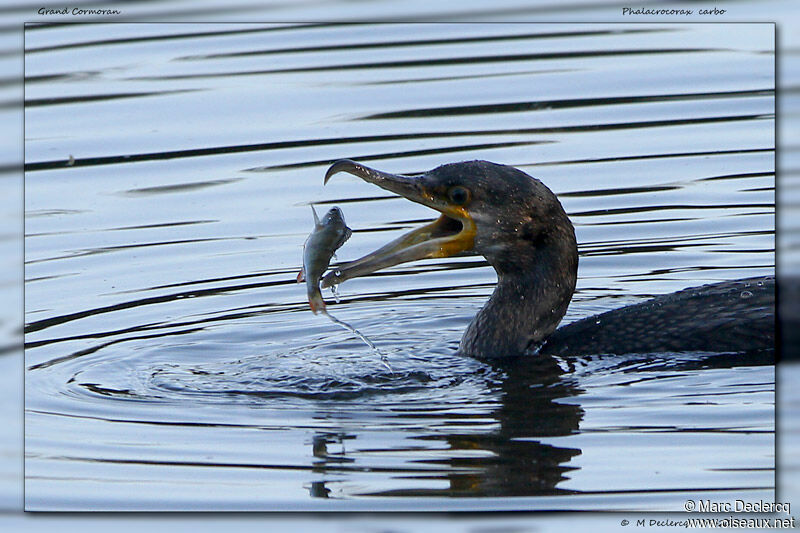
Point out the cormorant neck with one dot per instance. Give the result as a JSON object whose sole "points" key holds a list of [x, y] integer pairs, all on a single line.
{"points": [[534, 288]]}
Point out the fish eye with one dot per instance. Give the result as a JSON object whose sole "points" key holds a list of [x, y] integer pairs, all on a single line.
{"points": [[458, 195]]}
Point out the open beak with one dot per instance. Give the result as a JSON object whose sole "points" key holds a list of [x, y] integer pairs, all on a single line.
{"points": [[452, 233]]}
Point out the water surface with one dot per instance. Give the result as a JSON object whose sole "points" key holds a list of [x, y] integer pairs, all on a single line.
{"points": [[173, 363]]}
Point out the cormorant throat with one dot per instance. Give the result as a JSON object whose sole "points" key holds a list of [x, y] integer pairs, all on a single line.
{"points": [[536, 281]]}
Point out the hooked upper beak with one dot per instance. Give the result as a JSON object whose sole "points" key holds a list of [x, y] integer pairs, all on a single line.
{"points": [[452, 233]]}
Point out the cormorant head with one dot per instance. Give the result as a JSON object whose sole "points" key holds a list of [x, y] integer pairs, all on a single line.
{"points": [[493, 210]]}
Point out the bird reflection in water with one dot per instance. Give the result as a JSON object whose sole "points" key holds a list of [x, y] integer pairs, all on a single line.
{"points": [[510, 459]]}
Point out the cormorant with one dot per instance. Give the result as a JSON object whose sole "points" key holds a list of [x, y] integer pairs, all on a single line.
{"points": [[520, 227]]}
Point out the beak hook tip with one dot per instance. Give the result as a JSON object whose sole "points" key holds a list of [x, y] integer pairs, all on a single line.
{"points": [[342, 165]]}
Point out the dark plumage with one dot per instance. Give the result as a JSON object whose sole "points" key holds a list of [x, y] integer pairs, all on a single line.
{"points": [[731, 316], [520, 227]]}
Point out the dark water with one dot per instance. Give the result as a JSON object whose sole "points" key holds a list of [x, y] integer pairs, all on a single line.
{"points": [[172, 361]]}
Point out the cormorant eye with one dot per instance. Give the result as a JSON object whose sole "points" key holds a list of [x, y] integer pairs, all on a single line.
{"points": [[458, 195]]}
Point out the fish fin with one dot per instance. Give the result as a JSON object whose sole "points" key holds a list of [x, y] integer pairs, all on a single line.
{"points": [[316, 218], [317, 305], [347, 233], [301, 276]]}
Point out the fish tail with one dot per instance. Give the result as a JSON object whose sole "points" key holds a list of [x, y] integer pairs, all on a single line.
{"points": [[316, 302]]}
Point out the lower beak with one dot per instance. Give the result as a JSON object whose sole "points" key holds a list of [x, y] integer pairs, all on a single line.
{"points": [[451, 234]]}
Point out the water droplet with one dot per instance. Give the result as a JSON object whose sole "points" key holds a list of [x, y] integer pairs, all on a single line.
{"points": [[746, 294], [335, 293], [385, 361], [375, 350]]}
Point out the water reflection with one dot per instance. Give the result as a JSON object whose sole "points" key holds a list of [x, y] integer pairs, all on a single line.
{"points": [[514, 460], [507, 458], [327, 462], [501, 37]]}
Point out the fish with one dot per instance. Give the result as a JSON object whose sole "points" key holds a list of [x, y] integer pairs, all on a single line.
{"points": [[329, 235]]}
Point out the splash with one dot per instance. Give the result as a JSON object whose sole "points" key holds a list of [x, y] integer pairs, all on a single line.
{"points": [[354, 331], [335, 293]]}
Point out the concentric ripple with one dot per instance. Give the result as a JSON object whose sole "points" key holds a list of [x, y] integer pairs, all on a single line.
{"points": [[322, 363]]}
